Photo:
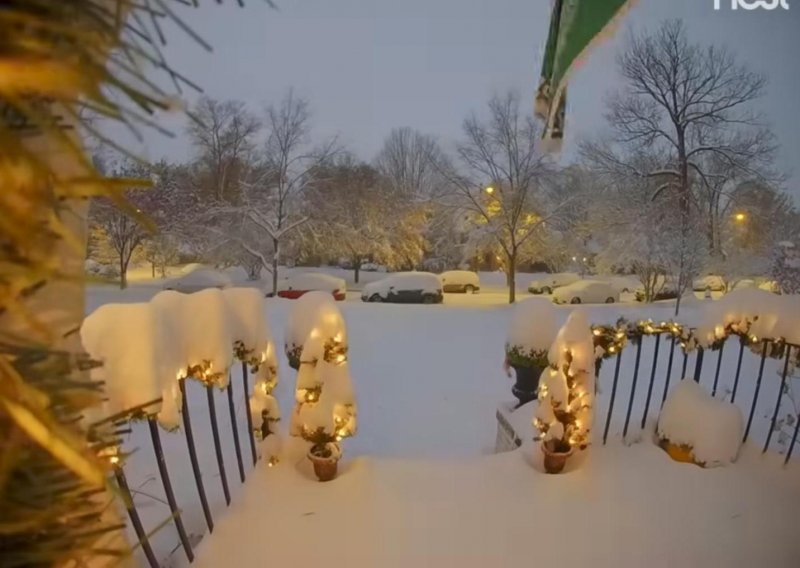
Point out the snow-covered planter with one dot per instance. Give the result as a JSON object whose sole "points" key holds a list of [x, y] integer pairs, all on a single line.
{"points": [[566, 393], [326, 408], [696, 427], [303, 317], [530, 335]]}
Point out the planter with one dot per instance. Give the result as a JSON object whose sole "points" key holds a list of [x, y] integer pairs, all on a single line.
{"points": [[527, 385], [554, 461], [324, 468], [679, 452]]}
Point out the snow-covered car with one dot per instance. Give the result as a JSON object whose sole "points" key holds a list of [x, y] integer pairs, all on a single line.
{"points": [[586, 292], [622, 284], [769, 286], [709, 283], [666, 291], [460, 281], [199, 279], [298, 284], [550, 282], [373, 267], [405, 288]]}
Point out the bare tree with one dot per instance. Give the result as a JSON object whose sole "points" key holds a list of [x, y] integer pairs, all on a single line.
{"points": [[500, 179], [409, 162], [223, 133]]}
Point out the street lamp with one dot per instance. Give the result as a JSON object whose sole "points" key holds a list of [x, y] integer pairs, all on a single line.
{"points": [[740, 217], [490, 190]]}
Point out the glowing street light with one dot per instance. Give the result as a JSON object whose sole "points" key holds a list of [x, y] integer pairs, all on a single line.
{"points": [[740, 217], [490, 190]]}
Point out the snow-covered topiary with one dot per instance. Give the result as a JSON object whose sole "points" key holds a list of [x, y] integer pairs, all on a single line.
{"points": [[326, 408], [566, 389], [303, 317], [710, 428], [531, 333]]}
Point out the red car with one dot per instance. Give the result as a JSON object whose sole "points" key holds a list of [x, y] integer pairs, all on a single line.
{"points": [[295, 286]]}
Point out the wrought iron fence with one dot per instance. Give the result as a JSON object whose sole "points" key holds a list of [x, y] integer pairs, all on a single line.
{"points": [[751, 377], [144, 534]]}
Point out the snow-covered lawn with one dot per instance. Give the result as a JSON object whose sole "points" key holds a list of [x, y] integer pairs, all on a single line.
{"points": [[419, 487]]}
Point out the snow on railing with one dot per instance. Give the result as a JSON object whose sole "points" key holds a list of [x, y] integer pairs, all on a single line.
{"points": [[147, 351]]}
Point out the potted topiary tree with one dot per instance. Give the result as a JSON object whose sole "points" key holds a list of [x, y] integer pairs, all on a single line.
{"points": [[532, 331], [326, 410], [303, 317], [566, 394]]}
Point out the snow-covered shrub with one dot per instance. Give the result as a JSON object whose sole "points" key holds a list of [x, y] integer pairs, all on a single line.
{"points": [[566, 389], [531, 333], [708, 427], [303, 318], [326, 408], [131, 344]]}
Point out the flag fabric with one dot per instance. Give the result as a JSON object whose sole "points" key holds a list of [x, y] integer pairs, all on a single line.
{"points": [[574, 26]]}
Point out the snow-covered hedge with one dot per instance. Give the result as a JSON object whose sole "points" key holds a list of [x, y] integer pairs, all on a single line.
{"points": [[758, 313], [531, 332], [315, 309], [710, 427], [146, 348]]}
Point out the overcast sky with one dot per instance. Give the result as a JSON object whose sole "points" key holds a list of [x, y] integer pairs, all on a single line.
{"points": [[370, 65]]}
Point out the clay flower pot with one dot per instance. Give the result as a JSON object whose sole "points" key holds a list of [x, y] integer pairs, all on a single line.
{"points": [[554, 461], [324, 468]]}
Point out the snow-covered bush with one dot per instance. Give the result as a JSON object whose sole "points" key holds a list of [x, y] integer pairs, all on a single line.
{"points": [[134, 350], [710, 428], [303, 317], [566, 389], [326, 409], [531, 332]]}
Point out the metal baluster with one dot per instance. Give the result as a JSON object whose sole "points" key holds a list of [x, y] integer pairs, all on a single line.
{"points": [[136, 521], [212, 411], [719, 366], [613, 396], [758, 388], [652, 379], [633, 387], [247, 412], [685, 364], [698, 365], [165, 481], [738, 370], [235, 429], [198, 478], [780, 396], [669, 369]]}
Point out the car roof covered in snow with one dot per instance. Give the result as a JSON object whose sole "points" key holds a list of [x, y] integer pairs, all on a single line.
{"points": [[407, 281], [465, 276]]}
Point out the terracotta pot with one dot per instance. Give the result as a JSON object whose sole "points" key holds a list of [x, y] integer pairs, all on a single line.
{"points": [[324, 468], [679, 452], [554, 462]]}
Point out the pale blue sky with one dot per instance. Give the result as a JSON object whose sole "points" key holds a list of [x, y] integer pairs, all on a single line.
{"points": [[370, 65]]}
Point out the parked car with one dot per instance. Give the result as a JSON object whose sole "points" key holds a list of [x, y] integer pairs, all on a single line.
{"points": [[373, 267], [622, 284], [709, 283], [586, 292], [298, 284], [405, 288], [198, 279], [460, 282], [547, 284]]}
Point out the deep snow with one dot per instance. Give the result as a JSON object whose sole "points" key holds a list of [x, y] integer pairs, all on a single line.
{"points": [[429, 379]]}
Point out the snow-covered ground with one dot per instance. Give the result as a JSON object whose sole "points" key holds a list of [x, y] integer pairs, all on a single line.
{"points": [[418, 485]]}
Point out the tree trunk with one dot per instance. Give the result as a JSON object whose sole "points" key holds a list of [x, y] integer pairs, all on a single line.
{"points": [[512, 277], [276, 247], [356, 271], [153, 270], [123, 272]]}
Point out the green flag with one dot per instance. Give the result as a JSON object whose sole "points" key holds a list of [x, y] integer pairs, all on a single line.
{"points": [[574, 26]]}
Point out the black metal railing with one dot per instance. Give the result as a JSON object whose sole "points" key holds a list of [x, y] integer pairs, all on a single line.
{"points": [[144, 534], [755, 377]]}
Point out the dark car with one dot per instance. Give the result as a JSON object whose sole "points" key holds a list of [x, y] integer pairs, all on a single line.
{"points": [[405, 288]]}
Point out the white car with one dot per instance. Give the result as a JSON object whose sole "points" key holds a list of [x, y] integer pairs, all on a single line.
{"points": [[405, 288], [199, 279], [373, 267], [460, 281], [622, 284], [709, 283], [297, 285], [547, 284], [586, 292]]}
